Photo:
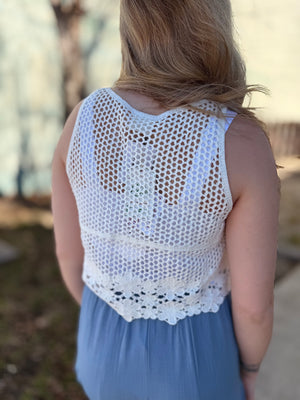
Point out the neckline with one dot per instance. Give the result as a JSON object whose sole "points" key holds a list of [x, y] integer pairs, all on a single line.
{"points": [[138, 112]]}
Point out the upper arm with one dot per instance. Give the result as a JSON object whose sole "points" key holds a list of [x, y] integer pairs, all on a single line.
{"points": [[64, 209], [252, 225]]}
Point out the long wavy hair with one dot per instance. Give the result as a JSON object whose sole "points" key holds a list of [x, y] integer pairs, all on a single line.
{"points": [[179, 52]]}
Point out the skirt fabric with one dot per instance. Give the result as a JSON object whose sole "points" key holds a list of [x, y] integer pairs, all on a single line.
{"points": [[196, 359]]}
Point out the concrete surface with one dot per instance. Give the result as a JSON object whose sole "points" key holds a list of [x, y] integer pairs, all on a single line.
{"points": [[279, 378]]}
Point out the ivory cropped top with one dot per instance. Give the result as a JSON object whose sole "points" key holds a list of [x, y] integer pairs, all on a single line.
{"points": [[153, 195]]}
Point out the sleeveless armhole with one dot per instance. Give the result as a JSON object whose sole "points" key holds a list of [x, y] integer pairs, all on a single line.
{"points": [[74, 133], [230, 115]]}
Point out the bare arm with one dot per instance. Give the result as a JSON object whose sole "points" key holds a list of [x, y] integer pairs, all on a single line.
{"points": [[251, 237], [69, 250]]}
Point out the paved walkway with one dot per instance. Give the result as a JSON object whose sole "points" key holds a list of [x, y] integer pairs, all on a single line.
{"points": [[279, 378]]}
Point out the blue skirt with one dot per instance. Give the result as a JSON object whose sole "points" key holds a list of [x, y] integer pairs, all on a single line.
{"points": [[196, 359]]}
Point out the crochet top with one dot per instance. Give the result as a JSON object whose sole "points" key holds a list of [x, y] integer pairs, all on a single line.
{"points": [[152, 195]]}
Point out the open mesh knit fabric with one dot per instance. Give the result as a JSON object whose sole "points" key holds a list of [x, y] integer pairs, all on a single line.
{"points": [[152, 194]]}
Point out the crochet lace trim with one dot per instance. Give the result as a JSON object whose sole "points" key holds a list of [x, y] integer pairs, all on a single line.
{"points": [[167, 300]]}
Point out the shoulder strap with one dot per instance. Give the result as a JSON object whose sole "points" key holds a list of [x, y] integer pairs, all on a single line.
{"points": [[82, 133], [194, 180], [230, 115], [75, 133], [218, 139]]}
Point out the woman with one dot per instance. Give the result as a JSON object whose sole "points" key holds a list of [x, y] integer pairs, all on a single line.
{"points": [[165, 227]]}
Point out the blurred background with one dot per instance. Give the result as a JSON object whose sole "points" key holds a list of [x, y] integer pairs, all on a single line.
{"points": [[52, 54]]}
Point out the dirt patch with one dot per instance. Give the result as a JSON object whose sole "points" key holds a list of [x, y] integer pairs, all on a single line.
{"points": [[38, 322]]}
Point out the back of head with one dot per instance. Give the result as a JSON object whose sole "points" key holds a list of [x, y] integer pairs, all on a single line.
{"points": [[181, 51]]}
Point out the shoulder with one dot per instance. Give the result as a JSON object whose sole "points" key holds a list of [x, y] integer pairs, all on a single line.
{"points": [[65, 138], [249, 157], [246, 136]]}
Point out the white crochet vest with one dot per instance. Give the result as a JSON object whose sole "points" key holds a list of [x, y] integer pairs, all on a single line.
{"points": [[152, 194]]}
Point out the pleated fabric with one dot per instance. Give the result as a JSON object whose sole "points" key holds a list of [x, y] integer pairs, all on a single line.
{"points": [[148, 359]]}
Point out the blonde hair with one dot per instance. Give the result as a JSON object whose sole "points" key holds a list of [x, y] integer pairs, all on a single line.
{"points": [[181, 51]]}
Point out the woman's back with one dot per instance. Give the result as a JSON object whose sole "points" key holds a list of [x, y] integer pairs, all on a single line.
{"points": [[250, 182], [156, 205]]}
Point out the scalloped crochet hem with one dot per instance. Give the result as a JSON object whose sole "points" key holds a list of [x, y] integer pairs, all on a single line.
{"points": [[171, 315]]}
